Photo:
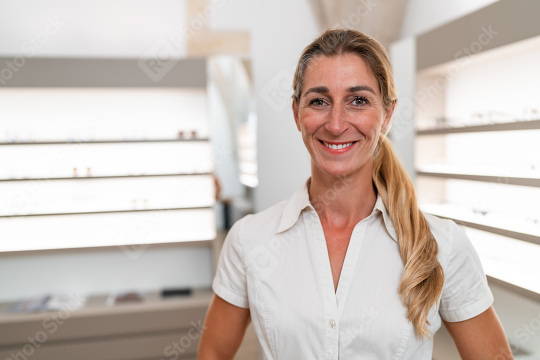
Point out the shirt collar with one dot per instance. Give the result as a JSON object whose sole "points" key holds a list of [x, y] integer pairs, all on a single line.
{"points": [[300, 200]]}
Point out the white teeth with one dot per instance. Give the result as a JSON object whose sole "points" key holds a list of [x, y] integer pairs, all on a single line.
{"points": [[337, 147]]}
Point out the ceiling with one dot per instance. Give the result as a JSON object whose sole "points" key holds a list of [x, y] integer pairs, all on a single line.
{"points": [[381, 19]]}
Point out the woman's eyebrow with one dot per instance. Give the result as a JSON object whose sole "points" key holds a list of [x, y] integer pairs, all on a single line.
{"points": [[317, 89], [361, 88], [324, 89]]}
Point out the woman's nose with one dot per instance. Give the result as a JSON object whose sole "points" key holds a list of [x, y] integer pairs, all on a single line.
{"points": [[337, 122]]}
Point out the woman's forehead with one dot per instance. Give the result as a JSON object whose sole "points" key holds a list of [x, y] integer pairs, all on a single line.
{"points": [[339, 71]]}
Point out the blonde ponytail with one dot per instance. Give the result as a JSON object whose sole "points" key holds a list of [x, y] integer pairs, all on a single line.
{"points": [[422, 280]]}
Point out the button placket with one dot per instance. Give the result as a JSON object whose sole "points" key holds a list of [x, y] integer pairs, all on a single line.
{"points": [[327, 287]]}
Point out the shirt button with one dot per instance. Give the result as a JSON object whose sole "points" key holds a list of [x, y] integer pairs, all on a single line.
{"points": [[331, 323]]}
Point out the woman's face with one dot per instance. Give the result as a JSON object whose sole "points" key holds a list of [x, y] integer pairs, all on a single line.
{"points": [[340, 113]]}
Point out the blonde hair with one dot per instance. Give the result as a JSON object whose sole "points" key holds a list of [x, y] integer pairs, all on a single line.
{"points": [[422, 280]]}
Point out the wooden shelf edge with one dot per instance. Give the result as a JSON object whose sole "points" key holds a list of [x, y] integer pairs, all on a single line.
{"points": [[498, 231], [514, 288], [512, 126], [532, 182]]}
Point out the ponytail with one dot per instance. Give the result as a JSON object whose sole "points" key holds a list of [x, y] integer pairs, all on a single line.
{"points": [[423, 278]]}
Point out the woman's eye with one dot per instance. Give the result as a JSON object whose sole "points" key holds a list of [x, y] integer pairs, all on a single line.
{"points": [[317, 102], [360, 100]]}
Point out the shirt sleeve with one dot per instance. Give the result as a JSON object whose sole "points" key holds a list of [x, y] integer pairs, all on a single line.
{"points": [[465, 293], [230, 281]]}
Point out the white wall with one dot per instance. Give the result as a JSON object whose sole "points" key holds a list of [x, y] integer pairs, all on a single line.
{"points": [[120, 28], [279, 31]]}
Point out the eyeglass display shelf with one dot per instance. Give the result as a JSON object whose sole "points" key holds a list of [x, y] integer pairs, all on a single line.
{"points": [[109, 211], [109, 176], [489, 223], [507, 263], [112, 141], [506, 126], [533, 295], [524, 178]]}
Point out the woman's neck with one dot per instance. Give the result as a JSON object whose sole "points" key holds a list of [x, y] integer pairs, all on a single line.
{"points": [[342, 200]]}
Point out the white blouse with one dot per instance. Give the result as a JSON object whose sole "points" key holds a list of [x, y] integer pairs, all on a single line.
{"points": [[276, 264]]}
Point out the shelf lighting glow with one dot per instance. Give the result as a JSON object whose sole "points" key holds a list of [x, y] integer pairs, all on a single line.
{"points": [[49, 161], [507, 259], [85, 114], [116, 229], [95, 195]]}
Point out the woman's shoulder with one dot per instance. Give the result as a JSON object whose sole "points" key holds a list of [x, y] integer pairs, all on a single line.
{"points": [[265, 222], [451, 238]]}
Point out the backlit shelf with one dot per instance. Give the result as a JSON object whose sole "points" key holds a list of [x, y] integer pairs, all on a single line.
{"points": [[533, 295], [467, 218], [125, 229], [509, 126], [508, 263], [104, 141], [109, 177], [109, 211], [499, 179]]}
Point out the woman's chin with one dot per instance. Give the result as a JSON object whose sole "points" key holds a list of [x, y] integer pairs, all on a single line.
{"points": [[337, 171]]}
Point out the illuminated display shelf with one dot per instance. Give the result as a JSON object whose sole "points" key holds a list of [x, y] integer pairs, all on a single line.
{"points": [[98, 154], [102, 141], [466, 217], [109, 211], [109, 177], [505, 179], [476, 143], [507, 126]]}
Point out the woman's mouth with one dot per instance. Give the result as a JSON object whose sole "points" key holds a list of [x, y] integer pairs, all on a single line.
{"points": [[337, 146]]}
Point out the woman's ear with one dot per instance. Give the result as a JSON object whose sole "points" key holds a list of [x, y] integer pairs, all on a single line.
{"points": [[295, 113], [388, 116]]}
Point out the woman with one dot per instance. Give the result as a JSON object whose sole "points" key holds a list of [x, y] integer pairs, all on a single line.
{"points": [[349, 267]]}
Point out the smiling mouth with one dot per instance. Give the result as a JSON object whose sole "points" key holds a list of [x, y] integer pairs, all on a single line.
{"points": [[337, 146]]}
